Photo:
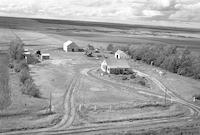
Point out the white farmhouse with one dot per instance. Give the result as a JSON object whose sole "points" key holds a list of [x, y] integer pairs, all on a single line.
{"points": [[113, 66], [70, 46]]}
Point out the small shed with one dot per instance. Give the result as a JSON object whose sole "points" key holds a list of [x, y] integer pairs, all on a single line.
{"points": [[70, 46], [26, 50], [121, 55], [45, 56], [113, 66]]}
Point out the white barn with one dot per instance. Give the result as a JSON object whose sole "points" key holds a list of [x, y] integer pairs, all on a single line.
{"points": [[121, 55], [70, 46]]}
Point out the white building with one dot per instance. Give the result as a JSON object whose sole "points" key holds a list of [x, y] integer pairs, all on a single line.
{"points": [[121, 55], [70, 46], [45, 56], [113, 66]]}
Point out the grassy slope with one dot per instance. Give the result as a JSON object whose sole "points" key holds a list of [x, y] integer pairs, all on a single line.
{"points": [[4, 82]]}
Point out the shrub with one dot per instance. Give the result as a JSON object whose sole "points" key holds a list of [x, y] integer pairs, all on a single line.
{"points": [[11, 65], [142, 82], [24, 75], [32, 59], [124, 78], [29, 88], [18, 66], [90, 47], [133, 76], [99, 55]]}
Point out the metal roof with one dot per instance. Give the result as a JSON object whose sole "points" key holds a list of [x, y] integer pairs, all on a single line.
{"points": [[120, 63]]}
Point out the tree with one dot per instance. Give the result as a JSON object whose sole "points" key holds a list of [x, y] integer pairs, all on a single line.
{"points": [[168, 50], [110, 47], [90, 47], [170, 63], [16, 49]]}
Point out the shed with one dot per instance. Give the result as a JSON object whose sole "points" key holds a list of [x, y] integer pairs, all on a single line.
{"points": [[70, 46], [121, 55], [45, 56], [113, 66]]}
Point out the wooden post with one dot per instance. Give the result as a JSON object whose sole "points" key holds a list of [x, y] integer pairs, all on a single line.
{"points": [[80, 107], [95, 107], [110, 108], [50, 106], [165, 96]]}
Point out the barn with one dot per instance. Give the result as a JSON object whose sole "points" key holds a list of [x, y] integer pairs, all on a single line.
{"points": [[113, 66], [70, 46], [121, 55]]}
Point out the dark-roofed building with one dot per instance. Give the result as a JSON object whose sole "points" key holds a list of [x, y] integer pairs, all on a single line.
{"points": [[70, 46], [114, 66]]}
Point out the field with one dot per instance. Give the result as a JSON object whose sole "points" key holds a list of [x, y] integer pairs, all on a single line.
{"points": [[4, 82], [78, 91]]}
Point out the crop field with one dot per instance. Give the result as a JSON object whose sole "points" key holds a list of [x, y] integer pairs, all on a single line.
{"points": [[102, 34]]}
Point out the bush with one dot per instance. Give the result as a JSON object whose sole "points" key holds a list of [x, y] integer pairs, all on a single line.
{"points": [[90, 47], [142, 82], [32, 59], [24, 75], [124, 78], [133, 76], [18, 66], [99, 55], [29, 88], [11, 65]]}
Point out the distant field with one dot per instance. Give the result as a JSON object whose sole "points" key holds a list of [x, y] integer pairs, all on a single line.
{"points": [[106, 33], [4, 82]]}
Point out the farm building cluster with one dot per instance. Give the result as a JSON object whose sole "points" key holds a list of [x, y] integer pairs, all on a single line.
{"points": [[117, 65]]}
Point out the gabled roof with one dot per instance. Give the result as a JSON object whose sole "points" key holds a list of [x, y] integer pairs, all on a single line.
{"points": [[67, 43], [114, 63], [120, 52]]}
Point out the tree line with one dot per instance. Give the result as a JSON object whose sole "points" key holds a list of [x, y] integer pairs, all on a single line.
{"points": [[20, 66], [170, 58]]}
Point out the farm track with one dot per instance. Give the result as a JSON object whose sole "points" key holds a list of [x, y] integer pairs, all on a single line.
{"points": [[170, 93], [69, 111], [69, 108], [62, 127]]}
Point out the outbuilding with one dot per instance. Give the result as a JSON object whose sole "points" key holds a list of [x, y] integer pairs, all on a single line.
{"points": [[45, 56], [113, 66], [121, 55], [70, 46]]}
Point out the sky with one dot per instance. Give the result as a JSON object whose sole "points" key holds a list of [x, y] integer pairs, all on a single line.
{"points": [[155, 12]]}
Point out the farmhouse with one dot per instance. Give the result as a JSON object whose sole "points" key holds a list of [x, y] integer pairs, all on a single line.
{"points": [[70, 46], [121, 55], [113, 66]]}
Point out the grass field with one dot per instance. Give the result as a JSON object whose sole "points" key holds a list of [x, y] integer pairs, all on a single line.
{"points": [[4, 82]]}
